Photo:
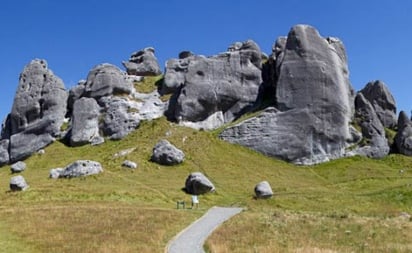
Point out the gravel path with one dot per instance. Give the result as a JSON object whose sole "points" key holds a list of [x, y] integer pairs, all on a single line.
{"points": [[191, 239]]}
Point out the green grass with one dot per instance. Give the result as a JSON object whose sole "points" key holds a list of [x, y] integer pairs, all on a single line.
{"points": [[135, 210]]}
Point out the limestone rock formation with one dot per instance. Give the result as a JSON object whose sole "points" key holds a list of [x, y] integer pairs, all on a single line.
{"points": [[18, 183], [263, 190], [403, 139], [4, 152], [85, 121], [165, 153], [227, 83], [38, 111], [197, 184], [375, 143], [18, 167], [382, 101], [143, 63], [80, 168], [120, 117], [310, 123], [105, 80]]}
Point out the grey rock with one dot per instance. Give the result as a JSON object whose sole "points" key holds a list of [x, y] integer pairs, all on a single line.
{"points": [[185, 54], [263, 190], [38, 111], [129, 164], [105, 80], [81, 168], [149, 105], [4, 152], [165, 153], [372, 129], [41, 152], [85, 121], [403, 138], [197, 184], [143, 63], [55, 173], [18, 167], [120, 118], [311, 123], [26, 143], [18, 183], [378, 94], [97, 140], [75, 93], [228, 82]]}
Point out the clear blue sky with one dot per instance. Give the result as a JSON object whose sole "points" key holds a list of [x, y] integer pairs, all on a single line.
{"points": [[75, 35]]}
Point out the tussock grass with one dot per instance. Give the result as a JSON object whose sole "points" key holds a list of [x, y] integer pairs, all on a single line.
{"points": [[352, 204]]}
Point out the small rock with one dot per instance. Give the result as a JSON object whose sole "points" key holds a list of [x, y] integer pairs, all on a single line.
{"points": [[197, 183], [129, 164], [165, 153], [18, 183], [41, 152], [80, 168], [96, 140], [55, 173], [263, 190], [18, 167]]}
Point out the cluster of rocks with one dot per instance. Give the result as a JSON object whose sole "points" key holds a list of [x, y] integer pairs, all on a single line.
{"points": [[309, 112], [106, 104]]}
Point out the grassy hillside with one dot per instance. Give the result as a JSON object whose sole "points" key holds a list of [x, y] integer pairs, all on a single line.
{"points": [[348, 205]]}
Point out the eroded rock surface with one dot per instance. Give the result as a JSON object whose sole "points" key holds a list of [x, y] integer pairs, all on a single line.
{"points": [[143, 63], [227, 83], [197, 183], [167, 154], [403, 139], [310, 123]]}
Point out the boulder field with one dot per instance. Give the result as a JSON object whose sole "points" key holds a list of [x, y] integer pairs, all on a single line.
{"points": [[305, 109]]}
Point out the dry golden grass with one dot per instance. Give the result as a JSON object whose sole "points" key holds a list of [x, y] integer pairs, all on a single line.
{"points": [[96, 227]]}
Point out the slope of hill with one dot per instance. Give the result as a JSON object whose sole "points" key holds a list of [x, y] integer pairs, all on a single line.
{"points": [[340, 205]]}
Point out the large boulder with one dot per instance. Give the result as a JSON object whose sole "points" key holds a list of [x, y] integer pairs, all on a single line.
{"points": [[104, 80], [165, 153], [143, 63], [80, 168], [403, 138], [382, 101], [263, 190], [85, 121], [18, 183], [38, 111], [120, 117], [375, 144], [313, 98], [197, 184], [227, 83]]}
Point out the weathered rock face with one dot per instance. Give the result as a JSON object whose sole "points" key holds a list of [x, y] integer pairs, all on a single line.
{"points": [[166, 154], [227, 83], [38, 111], [403, 139], [106, 79], [197, 184], [85, 121], [80, 168], [311, 124], [18, 183], [4, 152], [143, 63], [382, 101], [373, 132], [120, 117], [263, 190]]}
